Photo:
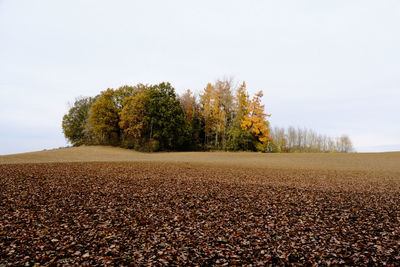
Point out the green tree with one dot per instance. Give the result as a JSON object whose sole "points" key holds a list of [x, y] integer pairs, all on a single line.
{"points": [[238, 138], [193, 120], [74, 123], [207, 103], [165, 117]]}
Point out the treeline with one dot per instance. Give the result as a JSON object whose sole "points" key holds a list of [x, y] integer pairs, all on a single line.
{"points": [[306, 140], [154, 118]]}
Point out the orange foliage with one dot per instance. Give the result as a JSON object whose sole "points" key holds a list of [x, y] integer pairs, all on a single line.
{"points": [[255, 121]]}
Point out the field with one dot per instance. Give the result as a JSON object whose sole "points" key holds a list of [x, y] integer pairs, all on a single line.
{"points": [[109, 206]]}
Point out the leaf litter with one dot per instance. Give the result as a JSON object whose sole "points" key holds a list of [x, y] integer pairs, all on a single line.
{"points": [[158, 214]]}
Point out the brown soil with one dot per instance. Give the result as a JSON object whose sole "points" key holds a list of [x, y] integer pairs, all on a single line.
{"points": [[163, 212]]}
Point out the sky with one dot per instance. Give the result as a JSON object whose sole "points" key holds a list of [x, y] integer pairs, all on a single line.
{"points": [[331, 66]]}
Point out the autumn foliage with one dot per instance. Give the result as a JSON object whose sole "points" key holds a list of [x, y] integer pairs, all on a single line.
{"points": [[255, 121], [153, 117]]}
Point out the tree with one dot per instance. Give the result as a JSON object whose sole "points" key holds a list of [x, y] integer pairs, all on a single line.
{"points": [[280, 140], [152, 117], [307, 140], [133, 122], [193, 119], [217, 113], [188, 102], [207, 102], [165, 117], [120, 94], [255, 122], [238, 138], [344, 144], [104, 118], [223, 111], [74, 123]]}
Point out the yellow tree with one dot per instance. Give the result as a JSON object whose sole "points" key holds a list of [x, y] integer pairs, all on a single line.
{"points": [[217, 108], [256, 123], [223, 111], [242, 102], [133, 122], [104, 118], [105, 112]]}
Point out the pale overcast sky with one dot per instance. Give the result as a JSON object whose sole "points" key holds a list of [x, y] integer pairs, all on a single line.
{"points": [[333, 66]]}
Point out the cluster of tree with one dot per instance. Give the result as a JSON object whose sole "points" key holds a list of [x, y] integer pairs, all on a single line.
{"points": [[153, 118], [306, 140]]}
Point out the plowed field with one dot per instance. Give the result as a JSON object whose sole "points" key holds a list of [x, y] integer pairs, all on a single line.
{"points": [[171, 213]]}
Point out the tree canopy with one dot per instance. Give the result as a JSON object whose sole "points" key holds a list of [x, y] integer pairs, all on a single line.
{"points": [[74, 123]]}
